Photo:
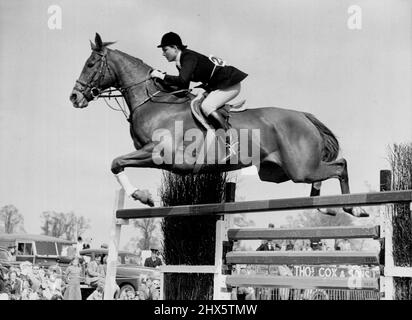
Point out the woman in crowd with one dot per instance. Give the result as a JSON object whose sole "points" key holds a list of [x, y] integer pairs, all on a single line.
{"points": [[73, 272]]}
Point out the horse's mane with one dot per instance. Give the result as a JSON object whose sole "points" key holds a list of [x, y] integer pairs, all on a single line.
{"points": [[133, 59], [140, 62]]}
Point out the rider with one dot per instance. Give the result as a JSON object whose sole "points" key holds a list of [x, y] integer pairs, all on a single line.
{"points": [[221, 81]]}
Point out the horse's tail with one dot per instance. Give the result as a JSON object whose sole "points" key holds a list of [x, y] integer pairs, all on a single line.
{"points": [[330, 143]]}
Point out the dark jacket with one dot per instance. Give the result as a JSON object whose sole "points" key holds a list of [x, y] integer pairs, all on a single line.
{"points": [[265, 247], [197, 67], [153, 264]]}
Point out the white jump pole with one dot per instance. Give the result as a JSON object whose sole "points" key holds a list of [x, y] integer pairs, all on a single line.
{"points": [[110, 283]]}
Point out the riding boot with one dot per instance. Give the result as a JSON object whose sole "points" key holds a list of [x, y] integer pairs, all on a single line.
{"points": [[219, 123]]}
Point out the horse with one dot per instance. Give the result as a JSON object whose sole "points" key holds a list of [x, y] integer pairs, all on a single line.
{"points": [[289, 144]]}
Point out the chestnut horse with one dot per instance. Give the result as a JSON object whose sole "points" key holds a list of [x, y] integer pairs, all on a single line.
{"points": [[288, 144]]}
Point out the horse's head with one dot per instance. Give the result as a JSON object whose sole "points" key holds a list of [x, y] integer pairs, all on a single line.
{"points": [[95, 76]]}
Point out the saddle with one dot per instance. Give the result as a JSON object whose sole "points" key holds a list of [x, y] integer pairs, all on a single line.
{"points": [[224, 110], [195, 104]]}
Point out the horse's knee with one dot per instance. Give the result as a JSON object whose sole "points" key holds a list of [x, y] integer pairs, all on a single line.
{"points": [[117, 165]]}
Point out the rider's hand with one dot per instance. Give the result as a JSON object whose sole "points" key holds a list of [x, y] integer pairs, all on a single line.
{"points": [[157, 74]]}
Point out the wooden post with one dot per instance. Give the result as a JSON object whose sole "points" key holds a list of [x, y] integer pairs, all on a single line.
{"points": [[387, 284], [162, 285], [221, 235], [110, 283]]}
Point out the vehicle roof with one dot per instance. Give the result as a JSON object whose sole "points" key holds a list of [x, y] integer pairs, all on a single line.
{"points": [[103, 251], [32, 237]]}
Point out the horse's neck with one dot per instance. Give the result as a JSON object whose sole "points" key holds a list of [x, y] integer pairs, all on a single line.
{"points": [[147, 116], [131, 73]]}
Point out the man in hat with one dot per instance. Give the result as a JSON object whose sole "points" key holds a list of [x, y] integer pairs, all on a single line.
{"points": [[153, 261], [12, 251], [221, 81]]}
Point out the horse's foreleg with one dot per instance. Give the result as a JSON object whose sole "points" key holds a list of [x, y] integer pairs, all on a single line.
{"points": [[139, 158]]}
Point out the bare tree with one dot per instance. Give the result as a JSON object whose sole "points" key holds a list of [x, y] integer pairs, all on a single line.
{"points": [[59, 224], [147, 227], [11, 219]]}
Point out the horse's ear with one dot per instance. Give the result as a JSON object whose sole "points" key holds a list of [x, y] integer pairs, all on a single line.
{"points": [[98, 41], [92, 45], [105, 44]]}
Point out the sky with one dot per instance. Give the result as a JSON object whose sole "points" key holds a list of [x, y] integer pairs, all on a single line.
{"points": [[299, 55]]}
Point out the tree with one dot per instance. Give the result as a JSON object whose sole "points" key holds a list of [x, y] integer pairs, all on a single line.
{"points": [[147, 227], [13, 220], [59, 224]]}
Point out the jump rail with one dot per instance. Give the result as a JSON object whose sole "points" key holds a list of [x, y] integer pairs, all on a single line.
{"points": [[356, 199], [303, 257], [301, 282], [304, 233]]}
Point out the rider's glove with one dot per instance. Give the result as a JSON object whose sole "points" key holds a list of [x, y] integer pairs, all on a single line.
{"points": [[157, 74]]}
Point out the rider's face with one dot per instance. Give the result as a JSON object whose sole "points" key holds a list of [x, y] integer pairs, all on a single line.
{"points": [[170, 53]]}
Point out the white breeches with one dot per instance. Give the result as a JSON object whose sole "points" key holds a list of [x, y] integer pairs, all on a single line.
{"points": [[218, 98]]}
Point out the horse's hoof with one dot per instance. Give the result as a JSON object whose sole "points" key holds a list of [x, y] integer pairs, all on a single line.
{"points": [[357, 212], [327, 211], [144, 197], [135, 195]]}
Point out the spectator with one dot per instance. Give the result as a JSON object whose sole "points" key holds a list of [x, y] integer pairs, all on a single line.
{"points": [[86, 244], [55, 284], [268, 245], [140, 295], [95, 272], [79, 246], [155, 294], [146, 292], [2, 279], [130, 294], [306, 246], [72, 291], [12, 251], [345, 245], [289, 245], [97, 294], [14, 286], [26, 290], [153, 261], [316, 244]]}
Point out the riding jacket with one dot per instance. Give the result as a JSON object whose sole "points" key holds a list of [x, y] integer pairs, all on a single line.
{"points": [[210, 71]]}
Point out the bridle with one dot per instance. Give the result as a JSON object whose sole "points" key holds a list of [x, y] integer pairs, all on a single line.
{"points": [[96, 92], [95, 84]]}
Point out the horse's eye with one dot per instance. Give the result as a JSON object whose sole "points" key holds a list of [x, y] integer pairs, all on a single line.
{"points": [[90, 64]]}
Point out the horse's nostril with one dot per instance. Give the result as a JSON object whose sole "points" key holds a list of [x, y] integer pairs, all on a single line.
{"points": [[73, 97]]}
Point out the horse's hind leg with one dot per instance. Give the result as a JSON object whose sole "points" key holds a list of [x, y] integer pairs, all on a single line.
{"points": [[334, 169], [314, 192], [344, 186]]}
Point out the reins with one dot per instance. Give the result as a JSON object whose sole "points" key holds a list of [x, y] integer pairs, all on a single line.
{"points": [[107, 94]]}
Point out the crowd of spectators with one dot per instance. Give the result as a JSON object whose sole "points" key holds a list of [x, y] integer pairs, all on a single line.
{"points": [[33, 282], [27, 281], [304, 245]]}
